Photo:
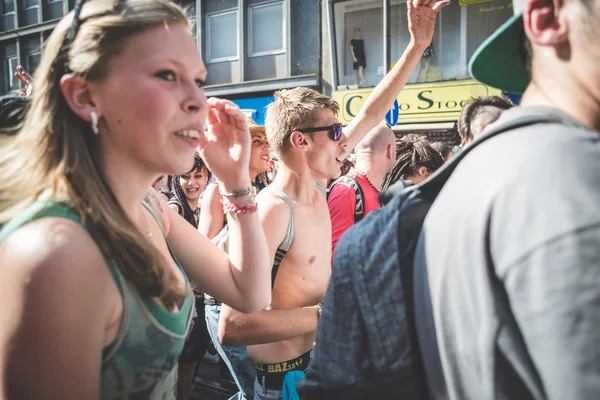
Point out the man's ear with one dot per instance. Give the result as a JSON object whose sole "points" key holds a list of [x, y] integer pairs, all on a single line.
{"points": [[298, 140], [545, 22], [423, 171], [76, 91], [390, 151]]}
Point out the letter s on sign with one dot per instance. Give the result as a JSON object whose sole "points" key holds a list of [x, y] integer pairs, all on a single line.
{"points": [[425, 99]]}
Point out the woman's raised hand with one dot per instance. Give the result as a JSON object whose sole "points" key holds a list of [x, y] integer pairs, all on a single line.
{"points": [[225, 146]]}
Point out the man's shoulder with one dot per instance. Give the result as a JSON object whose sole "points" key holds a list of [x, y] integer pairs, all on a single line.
{"points": [[273, 208], [545, 174], [558, 148]]}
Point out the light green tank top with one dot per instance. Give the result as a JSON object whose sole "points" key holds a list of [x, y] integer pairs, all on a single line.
{"points": [[142, 361]]}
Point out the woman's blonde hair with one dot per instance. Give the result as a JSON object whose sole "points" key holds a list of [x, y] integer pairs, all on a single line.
{"points": [[58, 151]]}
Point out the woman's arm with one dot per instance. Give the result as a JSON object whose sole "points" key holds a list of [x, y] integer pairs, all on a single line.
{"points": [[212, 217], [62, 309], [241, 278]]}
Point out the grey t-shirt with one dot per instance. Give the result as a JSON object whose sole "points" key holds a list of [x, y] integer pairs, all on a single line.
{"points": [[512, 251]]}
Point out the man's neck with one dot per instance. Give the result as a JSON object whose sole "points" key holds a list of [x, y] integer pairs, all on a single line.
{"points": [[298, 183], [374, 172], [571, 98]]}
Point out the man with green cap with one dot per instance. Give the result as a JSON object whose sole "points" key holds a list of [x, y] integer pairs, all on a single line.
{"points": [[511, 246]]}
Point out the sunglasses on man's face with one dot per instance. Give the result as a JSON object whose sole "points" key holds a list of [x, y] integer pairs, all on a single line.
{"points": [[334, 131]]}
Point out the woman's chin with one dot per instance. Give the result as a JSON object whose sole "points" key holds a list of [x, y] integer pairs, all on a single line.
{"points": [[192, 196]]}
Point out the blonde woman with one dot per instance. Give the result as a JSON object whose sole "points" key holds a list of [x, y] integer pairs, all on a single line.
{"points": [[99, 263]]}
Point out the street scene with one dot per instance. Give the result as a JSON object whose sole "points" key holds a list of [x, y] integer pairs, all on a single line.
{"points": [[299, 199]]}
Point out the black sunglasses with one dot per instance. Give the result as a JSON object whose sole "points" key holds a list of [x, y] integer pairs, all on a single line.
{"points": [[334, 131]]}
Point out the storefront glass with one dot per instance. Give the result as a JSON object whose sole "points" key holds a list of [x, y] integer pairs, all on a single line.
{"points": [[461, 28]]}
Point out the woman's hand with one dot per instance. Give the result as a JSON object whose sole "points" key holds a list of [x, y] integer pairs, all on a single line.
{"points": [[225, 147], [421, 19]]}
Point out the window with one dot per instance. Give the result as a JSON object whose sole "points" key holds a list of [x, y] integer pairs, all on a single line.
{"points": [[266, 24], [8, 7], [53, 1], [483, 19], [33, 59], [27, 4], [222, 36], [10, 64]]}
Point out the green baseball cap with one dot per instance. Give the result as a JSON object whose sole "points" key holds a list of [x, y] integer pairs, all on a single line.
{"points": [[499, 61]]}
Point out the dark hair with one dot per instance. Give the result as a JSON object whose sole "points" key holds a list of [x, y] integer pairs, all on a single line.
{"points": [[346, 166], [412, 153], [261, 181], [476, 109], [526, 53], [12, 113], [442, 148], [177, 190]]}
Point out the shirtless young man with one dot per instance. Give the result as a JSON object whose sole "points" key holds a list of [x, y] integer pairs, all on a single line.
{"points": [[304, 132]]}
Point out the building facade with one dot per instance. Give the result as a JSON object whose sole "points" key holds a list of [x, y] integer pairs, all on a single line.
{"points": [[439, 86], [252, 48], [24, 25]]}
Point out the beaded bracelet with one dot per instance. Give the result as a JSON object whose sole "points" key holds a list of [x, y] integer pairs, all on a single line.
{"points": [[231, 208]]}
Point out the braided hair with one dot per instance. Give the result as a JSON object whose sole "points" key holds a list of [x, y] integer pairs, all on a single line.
{"points": [[178, 196], [412, 153]]}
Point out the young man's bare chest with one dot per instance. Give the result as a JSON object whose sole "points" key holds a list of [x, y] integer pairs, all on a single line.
{"points": [[304, 274]]}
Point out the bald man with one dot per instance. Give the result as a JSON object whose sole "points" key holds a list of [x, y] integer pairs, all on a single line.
{"points": [[356, 194]]}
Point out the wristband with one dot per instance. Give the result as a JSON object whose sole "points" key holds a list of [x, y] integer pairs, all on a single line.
{"points": [[230, 208], [250, 191]]}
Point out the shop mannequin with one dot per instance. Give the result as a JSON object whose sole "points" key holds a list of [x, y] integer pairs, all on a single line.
{"points": [[426, 58], [357, 49]]}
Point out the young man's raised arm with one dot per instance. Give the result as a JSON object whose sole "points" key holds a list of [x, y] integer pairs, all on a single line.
{"points": [[421, 25]]}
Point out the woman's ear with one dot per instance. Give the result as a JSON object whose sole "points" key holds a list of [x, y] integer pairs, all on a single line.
{"points": [[76, 91]]}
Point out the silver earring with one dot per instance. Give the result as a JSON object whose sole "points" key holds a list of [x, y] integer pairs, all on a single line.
{"points": [[94, 118]]}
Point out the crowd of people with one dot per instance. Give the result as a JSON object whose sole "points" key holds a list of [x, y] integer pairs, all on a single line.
{"points": [[140, 222]]}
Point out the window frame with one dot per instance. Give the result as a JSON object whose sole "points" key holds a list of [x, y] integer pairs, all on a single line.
{"points": [[33, 53], [25, 7], [14, 2], [236, 57], [283, 49], [54, 1], [11, 72]]}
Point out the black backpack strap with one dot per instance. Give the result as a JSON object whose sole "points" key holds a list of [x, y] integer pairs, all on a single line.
{"points": [[359, 207]]}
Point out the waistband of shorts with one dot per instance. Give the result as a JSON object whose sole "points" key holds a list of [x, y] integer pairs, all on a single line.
{"points": [[274, 373], [211, 301]]}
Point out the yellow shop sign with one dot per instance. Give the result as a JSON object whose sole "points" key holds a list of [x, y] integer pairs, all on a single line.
{"points": [[431, 102]]}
